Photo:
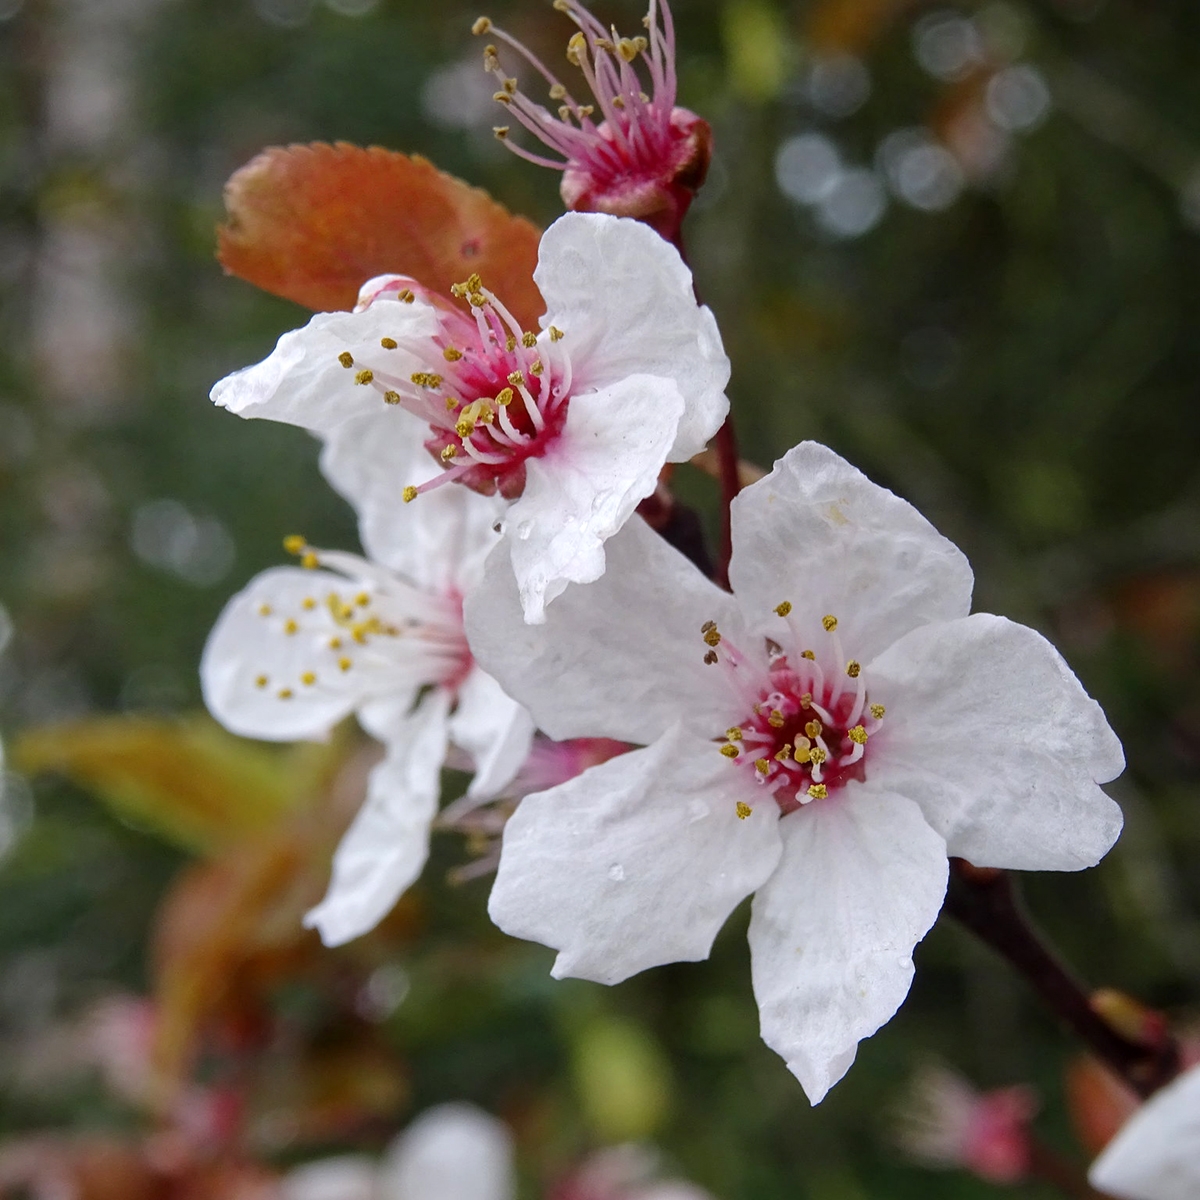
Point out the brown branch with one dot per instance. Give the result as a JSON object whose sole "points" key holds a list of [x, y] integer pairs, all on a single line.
{"points": [[986, 902]]}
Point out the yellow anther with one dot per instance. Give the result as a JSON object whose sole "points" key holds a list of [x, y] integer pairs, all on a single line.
{"points": [[449, 451], [775, 720], [295, 543], [858, 735], [830, 622], [452, 402], [491, 59], [344, 664], [335, 643], [406, 296], [802, 743], [450, 354], [482, 25], [510, 343], [576, 49], [362, 599], [265, 610], [388, 343], [604, 44], [806, 700], [345, 611], [556, 334], [710, 658], [785, 752], [733, 734], [712, 637], [536, 367], [427, 379], [618, 102], [853, 668], [558, 92], [817, 755], [364, 377], [477, 299], [409, 494], [818, 791], [309, 561], [802, 753], [261, 681], [877, 711], [762, 765], [346, 359], [628, 49], [743, 810], [500, 131], [517, 378], [465, 427], [359, 634], [730, 751], [290, 627], [504, 397], [308, 678], [529, 340], [641, 43], [585, 110], [284, 693], [390, 397], [510, 87], [783, 608], [808, 654], [474, 282], [308, 603], [813, 729]]}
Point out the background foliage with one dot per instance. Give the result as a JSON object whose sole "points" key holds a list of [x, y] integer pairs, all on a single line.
{"points": [[960, 244]]}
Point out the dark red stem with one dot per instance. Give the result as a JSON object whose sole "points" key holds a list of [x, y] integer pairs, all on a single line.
{"points": [[986, 902]]}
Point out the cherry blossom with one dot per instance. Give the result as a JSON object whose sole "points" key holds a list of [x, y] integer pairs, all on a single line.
{"points": [[1156, 1155], [571, 425], [451, 1152], [642, 156], [825, 737], [945, 1122], [301, 648]]}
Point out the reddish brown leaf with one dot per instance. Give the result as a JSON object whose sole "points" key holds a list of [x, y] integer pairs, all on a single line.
{"points": [[313, 223]]}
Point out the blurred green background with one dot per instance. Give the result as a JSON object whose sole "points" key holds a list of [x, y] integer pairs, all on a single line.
{"points": [[958, 243]]}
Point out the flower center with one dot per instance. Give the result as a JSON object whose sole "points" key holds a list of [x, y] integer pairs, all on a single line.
{"points": [[379, 626], [808, 718], [493, 394]]}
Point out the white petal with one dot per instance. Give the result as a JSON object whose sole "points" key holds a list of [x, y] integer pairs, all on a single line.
{"points": [[861, 881], [817, 532], [990, 732], [438, 541], [1156, 1155], [451, 1152], [587, 485], [636, 862], [250, 644], [624, 298], [347, 1177], [301, 382], [386, 846], [620, 658], [495, 730]]}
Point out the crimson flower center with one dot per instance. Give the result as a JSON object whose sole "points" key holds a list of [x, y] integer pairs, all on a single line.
{"points": [[808, 719]]}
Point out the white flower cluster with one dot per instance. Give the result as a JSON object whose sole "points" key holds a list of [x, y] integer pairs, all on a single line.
{"points": [[825, 736]]}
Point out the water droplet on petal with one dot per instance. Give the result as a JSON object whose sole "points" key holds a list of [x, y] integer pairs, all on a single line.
{"points": [[616, 872], [524, 529]]}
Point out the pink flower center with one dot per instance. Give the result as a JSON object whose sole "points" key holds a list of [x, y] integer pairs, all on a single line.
{"points": [[808, 717], [493, 394], [630, 151]]}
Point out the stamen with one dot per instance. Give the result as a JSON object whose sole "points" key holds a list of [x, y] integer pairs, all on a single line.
{"points": [[877, 711], [743, 810], [730, 751], [783, 608]]}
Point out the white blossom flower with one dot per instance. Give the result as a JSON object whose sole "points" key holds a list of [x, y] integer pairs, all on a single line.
{"points": [[570, 424], [826, 736], [1156, 1155], [301, 648], [451, 1152]]}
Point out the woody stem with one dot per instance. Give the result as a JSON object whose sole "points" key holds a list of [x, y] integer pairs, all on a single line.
{"points": [[986, 902]]}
